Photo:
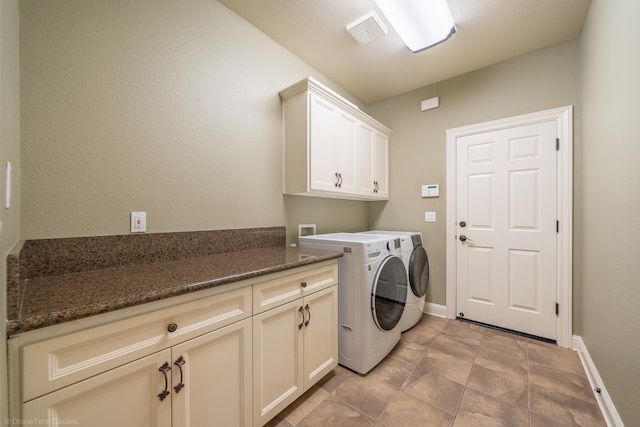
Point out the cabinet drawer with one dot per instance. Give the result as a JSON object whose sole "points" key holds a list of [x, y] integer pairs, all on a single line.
{"points": [[51, 364], [272, 293]]}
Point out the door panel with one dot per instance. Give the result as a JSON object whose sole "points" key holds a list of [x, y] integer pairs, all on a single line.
{"points": [[524, 200], [506, 190], [481, 282], [524, 280], [480, 193]]}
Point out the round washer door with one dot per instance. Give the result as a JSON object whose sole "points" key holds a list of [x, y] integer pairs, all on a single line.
{"points": [[389, 293], [419, 271]]}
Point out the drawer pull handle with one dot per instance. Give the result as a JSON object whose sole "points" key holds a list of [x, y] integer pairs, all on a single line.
{"points": [[164, 369], [308, 311], [172, 327], [303, 284], [301, 324], [179, 363]]}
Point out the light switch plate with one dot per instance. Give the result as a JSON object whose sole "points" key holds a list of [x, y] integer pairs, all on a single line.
{"points": [[430, 217]]}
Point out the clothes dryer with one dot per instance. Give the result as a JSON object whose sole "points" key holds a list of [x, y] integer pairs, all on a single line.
{"points": [[416, 262], [372, 291]]}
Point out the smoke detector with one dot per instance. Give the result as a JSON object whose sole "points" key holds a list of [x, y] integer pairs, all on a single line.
{"points": [[367, 28]]}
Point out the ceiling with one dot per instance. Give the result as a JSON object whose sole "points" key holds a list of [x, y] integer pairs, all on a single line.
{"points": [[488, 32]]}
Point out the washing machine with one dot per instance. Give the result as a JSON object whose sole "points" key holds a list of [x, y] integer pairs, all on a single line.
{"points": [[416, 262], [372, 291]]}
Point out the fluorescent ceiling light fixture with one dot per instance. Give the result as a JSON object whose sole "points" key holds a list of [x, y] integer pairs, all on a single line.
{"points": [[421, 24]]}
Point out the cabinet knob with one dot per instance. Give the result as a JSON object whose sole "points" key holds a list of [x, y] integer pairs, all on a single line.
{"points": [[303, 284], [172, 327]]}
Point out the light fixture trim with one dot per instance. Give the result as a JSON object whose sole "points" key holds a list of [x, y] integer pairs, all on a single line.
{"points": [[421, 24]]}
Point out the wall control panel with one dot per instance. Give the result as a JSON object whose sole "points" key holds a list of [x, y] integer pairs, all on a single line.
{"points": [[431, 190]]}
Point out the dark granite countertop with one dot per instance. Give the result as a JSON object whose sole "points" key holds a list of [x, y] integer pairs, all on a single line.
{"points": [[51, 300]]}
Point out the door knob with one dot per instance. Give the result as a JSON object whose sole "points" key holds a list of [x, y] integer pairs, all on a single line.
{"points": [[464, 238]]}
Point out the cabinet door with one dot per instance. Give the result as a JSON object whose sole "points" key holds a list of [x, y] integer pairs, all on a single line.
{"points": [[215, 372], [373, 162], [127, 395], [347, 152], [320, 335], [323, 141], [366, 175], [381, 164], [277, 360]]}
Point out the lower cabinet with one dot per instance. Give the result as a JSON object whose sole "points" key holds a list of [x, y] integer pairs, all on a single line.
{"points": [[295, 345], [192, 384], [233, 359]]}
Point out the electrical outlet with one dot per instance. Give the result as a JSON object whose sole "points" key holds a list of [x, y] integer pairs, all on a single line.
{"points": [[138, 222]]}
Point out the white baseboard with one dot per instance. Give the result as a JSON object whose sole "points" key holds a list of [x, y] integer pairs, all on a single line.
{"points": [[607, 407], [435, 309]]}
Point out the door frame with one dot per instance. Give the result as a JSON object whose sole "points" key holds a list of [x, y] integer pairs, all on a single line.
{"points": [[563, 117]]}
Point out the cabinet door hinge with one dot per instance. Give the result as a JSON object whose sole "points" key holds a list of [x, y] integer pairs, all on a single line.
{"points": [[557, 144], [557, 309]]}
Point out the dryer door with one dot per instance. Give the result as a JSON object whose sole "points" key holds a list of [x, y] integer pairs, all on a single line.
{"points": [[389, 293], [419, 271]]}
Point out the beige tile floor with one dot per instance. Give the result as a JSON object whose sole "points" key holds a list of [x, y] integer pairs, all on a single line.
{"points": [[452, 373]]}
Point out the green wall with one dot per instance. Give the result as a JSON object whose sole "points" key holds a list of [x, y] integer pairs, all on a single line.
{"points": [[168, 107], [610, 63]]}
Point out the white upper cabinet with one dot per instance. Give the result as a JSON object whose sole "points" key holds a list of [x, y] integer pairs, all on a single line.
{"points": [[331, 148]]}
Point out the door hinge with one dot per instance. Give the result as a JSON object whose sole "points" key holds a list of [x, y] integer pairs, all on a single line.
{"points": [[557, 226], [557, 309], [557, 144]]}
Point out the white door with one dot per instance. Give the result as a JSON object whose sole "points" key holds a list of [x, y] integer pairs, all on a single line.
{"points": [[507, 228]]}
